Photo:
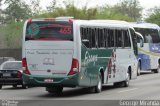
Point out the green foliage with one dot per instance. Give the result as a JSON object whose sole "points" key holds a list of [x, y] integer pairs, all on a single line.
{"points": [[154, 16], [71, 10], [52, 6], [105, 12], [16, 9], [35, 7], [11, 35], [108, 12], [130, 8]]}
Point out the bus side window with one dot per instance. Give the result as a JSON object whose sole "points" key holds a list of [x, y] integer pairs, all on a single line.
{"points": [[81, 32], [93, 37], [110, 38], [90, 37], [105, 32], [126, 40], [100, 38], [85, 37], [118, 36], [96, 36]]}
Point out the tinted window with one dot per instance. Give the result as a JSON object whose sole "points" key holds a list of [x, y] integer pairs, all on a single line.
{"points": [[150, 35], [104, 37], [118, 36], [126, 39], [49, 30], [110, 38], [86, 36], [12, 66]]}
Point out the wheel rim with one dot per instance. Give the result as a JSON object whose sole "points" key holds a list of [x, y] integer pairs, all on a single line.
{"points": [[139, 69], [99, 84], [158, 70], [127, 81]]}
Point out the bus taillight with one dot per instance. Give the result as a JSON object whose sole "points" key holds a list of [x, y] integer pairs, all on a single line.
{"points": [[74, 67], [24, 65]]}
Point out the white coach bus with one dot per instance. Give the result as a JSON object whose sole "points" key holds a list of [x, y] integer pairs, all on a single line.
{"points": [[63, 52], [149, 55]]}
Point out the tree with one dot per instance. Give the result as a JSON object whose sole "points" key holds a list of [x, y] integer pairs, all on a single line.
{"points": [[52, 6], [109, 12], [130, 8], [1, 13], [154, 16], [35, 6], [16, 9]]}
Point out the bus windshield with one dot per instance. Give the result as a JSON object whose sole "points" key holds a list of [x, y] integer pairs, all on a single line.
{"points": [[48, 30], [150, 35]]}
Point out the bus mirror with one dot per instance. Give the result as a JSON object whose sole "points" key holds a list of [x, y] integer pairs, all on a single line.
{"points": [[141, 42], [86, 42], [141, 39]]}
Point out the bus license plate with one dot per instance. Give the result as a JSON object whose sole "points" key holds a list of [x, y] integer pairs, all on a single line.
{"points": [[6, 75], [48, 80]]}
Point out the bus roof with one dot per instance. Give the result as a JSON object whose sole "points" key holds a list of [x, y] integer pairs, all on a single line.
{"points": [[100, 23], [145, 25], [105, 23], [52, 19], [111, 21]]}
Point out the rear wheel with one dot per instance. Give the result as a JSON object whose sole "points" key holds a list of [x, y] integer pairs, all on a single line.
{"points": [[57, 90], [126, 82], [157, 70], [0, 86], [117, 84], [98, 87], [139, 69]]}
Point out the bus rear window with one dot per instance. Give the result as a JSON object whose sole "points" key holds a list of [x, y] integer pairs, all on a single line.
{"points": [[47, 30]]}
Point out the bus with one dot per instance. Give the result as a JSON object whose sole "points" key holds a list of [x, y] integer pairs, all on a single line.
{"points": [[149, 55], [63, 52]]}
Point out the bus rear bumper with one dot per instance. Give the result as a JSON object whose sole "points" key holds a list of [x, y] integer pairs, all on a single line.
{"points": [[69, 81]]}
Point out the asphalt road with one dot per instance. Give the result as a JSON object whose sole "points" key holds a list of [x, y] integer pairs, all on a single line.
{"points": [[145, 87]]}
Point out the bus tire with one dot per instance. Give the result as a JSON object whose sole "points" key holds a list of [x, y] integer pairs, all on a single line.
{"points": [[56, 90], [158, 69], [139, 69], [126, 83], [98, 87], [117, 84], [0, 86]]}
